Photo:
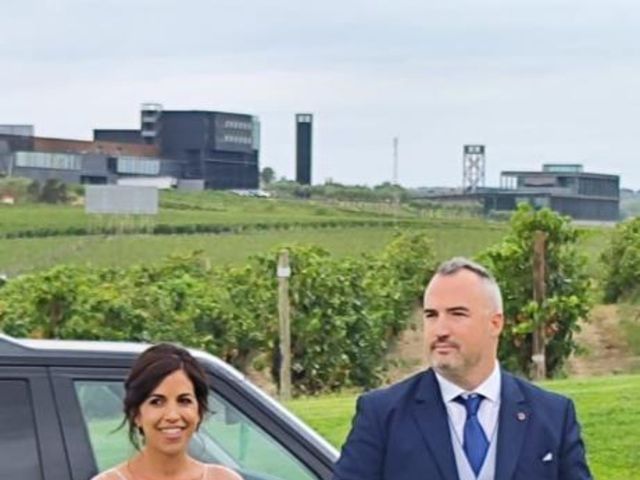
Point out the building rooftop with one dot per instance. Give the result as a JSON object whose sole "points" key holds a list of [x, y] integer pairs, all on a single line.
{"points": [[517, 173]]}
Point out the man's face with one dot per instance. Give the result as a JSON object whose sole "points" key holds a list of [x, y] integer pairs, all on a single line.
{"points": [[461, 327]]}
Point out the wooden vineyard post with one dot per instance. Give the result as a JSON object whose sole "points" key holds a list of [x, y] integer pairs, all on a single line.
{"points": [[283, 273], [539, 292]]}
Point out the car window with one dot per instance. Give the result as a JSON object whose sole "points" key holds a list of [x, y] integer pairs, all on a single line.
{"points": [[251, 448], [101, 404], [226, 436], [19, 458]]}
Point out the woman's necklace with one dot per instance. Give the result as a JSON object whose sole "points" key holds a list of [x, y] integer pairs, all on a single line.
{"points": [[144, 477]]}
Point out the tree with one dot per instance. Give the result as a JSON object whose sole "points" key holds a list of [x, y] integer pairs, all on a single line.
{"points": [[567, 299], [53, 191], [33, 191], [267, 175]]}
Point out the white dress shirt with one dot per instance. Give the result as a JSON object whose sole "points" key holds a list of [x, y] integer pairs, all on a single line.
{"points": [[487, 416]]}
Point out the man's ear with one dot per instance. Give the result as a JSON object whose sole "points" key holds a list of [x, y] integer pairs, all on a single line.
{"points": [[497, 323]]}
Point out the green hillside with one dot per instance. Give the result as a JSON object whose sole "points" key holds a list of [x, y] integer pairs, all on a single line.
{"points": [[36, 236]]}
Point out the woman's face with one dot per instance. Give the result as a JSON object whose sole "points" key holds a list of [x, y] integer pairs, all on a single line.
{"points": [[170, 415]]}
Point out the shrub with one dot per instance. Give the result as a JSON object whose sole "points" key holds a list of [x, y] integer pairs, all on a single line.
{"points": [[567, 299], [345, 312], [621, 261]]}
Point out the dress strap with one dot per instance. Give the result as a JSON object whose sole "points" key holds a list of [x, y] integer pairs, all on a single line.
{"points": [[111, 474], [118, 474]]}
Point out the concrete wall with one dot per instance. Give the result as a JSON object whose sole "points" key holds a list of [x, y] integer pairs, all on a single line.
{"points": [[587, 208]]}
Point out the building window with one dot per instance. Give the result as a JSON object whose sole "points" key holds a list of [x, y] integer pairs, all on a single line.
{"points": [[112, 164], [238, 139], [238, 125], [138, 165], [57, 161]]}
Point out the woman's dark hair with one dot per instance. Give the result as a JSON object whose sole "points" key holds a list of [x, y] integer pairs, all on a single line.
{"points": [[149, 370]]}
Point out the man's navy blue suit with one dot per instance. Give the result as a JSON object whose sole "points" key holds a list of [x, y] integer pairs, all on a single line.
{"points": [[402, 433]]}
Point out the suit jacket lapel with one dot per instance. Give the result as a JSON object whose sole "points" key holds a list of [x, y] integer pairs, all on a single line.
{"points": [[514, 417], [431, 418]]}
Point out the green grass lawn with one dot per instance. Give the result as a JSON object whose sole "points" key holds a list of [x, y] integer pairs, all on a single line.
{"points": [[451, 236], [592, 243], [18, 255], [216, 208], [608, 409], [28, 254], [185, 208]]}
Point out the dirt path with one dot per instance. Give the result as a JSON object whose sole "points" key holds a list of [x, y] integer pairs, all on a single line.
{"points": [[605, 349], [407, 355]]}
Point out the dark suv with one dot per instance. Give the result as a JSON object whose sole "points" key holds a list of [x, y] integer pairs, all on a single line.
{"points": [[61, 406]]}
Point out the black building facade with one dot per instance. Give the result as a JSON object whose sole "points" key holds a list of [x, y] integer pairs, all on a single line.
{"points": [[304, 144], [221, 148], [117, 135], [565, 188], [218, 147]]}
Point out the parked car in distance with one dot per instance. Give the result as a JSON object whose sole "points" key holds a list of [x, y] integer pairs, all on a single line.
{"points": [[252, 193], [61, 409]]}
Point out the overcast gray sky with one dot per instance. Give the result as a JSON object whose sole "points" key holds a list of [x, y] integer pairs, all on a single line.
{"points": [[535, 81]]}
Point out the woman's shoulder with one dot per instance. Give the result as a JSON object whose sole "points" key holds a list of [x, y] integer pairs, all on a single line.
{"points": [[218, 472]]}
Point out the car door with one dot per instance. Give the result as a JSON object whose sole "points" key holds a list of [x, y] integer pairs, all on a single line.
{"points": [[78, 433], [237, 433], [30, 440]]}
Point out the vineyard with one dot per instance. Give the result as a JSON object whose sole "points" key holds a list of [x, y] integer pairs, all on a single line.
{"points": [[353, 298], [203, 273], [226, 228]]}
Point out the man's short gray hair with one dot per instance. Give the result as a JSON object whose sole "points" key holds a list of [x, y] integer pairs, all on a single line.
{"points": [[454, 265]]}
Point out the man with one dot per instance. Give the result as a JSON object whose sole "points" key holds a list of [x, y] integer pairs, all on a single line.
{"points": [[464, 418]]}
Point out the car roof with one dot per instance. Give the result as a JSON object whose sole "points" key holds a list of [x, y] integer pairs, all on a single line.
{"points": [[87, 349]]}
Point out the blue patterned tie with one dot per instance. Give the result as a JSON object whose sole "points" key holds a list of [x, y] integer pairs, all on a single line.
{"points": [[475, 443]]}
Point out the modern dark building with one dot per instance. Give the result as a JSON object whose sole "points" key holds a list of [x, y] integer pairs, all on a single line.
{"points": [[218, 149], [221, 148], [565, 188], [304, 143]]}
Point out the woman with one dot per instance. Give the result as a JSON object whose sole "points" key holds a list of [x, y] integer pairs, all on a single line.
{"points": [[165, 401]]}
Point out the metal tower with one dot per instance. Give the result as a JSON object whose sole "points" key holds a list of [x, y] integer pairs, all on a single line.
{"points": [[473, 165]]}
